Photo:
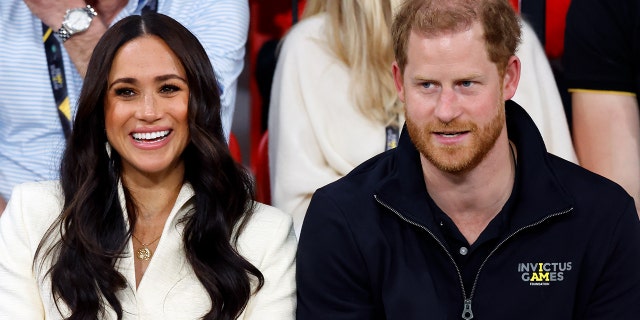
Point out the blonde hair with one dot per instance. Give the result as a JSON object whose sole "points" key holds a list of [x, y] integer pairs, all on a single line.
{"points": [[359, 34]]}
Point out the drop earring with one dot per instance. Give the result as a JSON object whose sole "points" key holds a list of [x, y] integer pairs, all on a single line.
{"points": [[107, 146]]}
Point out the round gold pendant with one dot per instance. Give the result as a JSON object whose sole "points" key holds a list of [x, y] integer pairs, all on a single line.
{"points": [[144, 253]]}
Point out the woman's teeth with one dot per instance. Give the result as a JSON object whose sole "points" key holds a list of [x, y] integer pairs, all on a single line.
{"points": [[151, 135]]}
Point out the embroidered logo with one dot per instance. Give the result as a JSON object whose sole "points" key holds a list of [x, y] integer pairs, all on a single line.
{"points": [[543, 273]]}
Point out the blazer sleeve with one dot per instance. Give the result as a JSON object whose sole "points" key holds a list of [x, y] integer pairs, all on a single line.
{"points": [[332, 277], [269, 243], [19, 291]]}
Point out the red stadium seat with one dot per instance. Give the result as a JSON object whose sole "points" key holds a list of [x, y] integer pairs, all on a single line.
{"points": [[261, 170], [234, 148]]}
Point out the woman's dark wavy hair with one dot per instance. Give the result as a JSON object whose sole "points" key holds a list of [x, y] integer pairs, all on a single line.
{"points": [[93, 231]]}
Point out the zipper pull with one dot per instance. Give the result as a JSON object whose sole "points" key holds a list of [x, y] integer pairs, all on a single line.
{"points": [[467, 314]]}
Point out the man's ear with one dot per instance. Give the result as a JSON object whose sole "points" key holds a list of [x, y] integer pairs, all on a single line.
{"points": [[398, 80], [511, 78]]}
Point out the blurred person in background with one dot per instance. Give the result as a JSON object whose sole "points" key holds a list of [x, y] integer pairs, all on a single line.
{"points": [[600, 60]]}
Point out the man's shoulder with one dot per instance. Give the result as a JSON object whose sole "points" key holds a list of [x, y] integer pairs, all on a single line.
{"points": [[352, 196], [590, 192], [366, 176], [573, 174]]}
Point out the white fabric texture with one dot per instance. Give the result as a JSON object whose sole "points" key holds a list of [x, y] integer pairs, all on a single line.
{"points": [[169, 288], [317, 134]]}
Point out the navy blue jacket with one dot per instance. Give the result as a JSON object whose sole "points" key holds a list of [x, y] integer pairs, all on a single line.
{"points": [[370, 247]]}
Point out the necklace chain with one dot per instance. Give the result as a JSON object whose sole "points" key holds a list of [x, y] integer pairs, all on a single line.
{"points": [[145, 253], [147, 244]]}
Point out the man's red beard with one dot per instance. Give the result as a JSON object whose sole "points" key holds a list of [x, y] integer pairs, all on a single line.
{"points": [[459, 158]]}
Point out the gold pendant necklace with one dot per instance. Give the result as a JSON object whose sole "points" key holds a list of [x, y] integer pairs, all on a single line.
{"points": [[144, 253]]}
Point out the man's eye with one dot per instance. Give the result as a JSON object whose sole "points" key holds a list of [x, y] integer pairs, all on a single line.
{"points": [[466, 84], [427, 85]]}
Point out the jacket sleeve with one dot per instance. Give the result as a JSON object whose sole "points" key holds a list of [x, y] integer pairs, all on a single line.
{"points": [[332, 276], [19, 292], [268, 242], [617, 293]]}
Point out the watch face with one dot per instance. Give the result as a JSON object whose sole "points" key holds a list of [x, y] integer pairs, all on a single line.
{"points": [[77, 20]]}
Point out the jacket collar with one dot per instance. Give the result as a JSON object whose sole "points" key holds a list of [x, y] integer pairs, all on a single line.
{"points": [[539, 193]]}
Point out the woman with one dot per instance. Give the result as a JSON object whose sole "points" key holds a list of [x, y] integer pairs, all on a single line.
{"points": [[152, 218], [333, 103]]}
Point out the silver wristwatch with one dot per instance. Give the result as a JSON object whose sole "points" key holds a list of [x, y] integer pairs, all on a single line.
{"points": [[76, 20]]}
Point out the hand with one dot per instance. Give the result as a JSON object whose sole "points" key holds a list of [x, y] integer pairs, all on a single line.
{"points": [[3, 204], [80, 46], [51, 12]]}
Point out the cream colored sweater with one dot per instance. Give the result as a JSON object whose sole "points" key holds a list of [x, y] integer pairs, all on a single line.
{"points": [[317, 134]]}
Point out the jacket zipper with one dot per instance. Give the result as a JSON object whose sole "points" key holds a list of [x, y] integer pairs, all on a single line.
{"points": [[467, 312]]}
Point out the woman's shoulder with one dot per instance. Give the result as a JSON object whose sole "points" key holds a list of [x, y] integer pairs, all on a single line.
{"points": [[266, 217], [33, 207], [314, 25], [43, 195], [308, 32], [268, 229], [47, 185]]}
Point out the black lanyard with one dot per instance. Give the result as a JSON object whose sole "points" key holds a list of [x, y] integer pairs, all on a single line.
{"points": [[392, 135], [151, 6], [55, 64]]}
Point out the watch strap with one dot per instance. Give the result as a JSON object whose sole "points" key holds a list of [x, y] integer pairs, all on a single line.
{"points": [[64, 33]]}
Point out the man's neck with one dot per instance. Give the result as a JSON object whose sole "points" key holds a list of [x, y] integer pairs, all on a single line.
{"points": [[472, 199]]}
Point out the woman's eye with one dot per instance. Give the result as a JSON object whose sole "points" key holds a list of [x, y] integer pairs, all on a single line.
{"points": [[124, 92], [169, 89]]}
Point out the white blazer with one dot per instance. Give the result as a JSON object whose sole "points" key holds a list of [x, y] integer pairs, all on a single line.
{"points": [[169, 289]]}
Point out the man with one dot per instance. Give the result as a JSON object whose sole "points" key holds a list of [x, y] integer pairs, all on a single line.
{"points": [[31, 127], [602, 46], [469, 217]]}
